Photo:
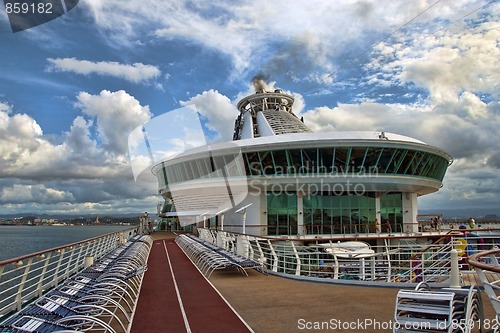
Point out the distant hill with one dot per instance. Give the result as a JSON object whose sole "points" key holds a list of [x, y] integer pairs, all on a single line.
{"points": [[73, 216], [447, 213], [464, 213]]}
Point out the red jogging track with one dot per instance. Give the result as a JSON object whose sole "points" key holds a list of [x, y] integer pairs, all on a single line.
{"points": [[160, 307]]}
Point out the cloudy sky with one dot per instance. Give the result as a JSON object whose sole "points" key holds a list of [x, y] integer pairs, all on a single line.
{"points": [[73, 89]]}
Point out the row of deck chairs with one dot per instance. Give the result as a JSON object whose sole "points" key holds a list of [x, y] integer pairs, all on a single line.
{"points": [[444, 310], [209, 257], [101, 298]]}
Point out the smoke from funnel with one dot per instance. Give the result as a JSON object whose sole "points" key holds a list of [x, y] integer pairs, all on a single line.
{"points": [[259, 82]]}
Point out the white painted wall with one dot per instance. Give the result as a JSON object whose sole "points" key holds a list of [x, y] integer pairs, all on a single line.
{"points": [[410, 210], [255, 216]]}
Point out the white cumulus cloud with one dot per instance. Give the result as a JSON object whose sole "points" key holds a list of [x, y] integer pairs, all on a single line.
{"points": [[136, 73], [218, 110], [117, 114], [33, 193]]}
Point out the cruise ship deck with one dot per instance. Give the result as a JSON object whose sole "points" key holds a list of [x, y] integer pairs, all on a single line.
{"points": [[261, 303], [160, 283], [175, 296]]}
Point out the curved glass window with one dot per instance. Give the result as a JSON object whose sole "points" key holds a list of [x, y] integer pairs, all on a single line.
{"points": [[294, 161], [310, 161], [254, 164], [341, 160], [325, 160], [267, 162], [280, 162], [313, 161], [357, 159]]}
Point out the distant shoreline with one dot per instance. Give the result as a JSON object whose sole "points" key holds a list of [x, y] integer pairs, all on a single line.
{"points": [[65, 225]]}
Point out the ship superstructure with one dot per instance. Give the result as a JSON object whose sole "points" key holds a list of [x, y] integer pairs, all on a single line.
{"points": [[298, 182]]}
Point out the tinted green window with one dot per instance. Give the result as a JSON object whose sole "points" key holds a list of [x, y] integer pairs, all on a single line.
{"points": [[401, 160], [295, 161], [281, 214], [371, 159], [280, 162], [254, 164], [309, 158], [391, 208], [341, 162], [326, 156], [357, 159], [330, 214], [391, 166], [385, 159], [411, 161], [344, 160], [267, 162]]}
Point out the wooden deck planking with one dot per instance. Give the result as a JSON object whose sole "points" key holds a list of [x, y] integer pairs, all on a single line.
{"points": [[472, 279]]}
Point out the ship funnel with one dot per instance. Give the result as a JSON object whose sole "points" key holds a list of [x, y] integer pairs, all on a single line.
{"points": [[266, 113], [259, 84]]}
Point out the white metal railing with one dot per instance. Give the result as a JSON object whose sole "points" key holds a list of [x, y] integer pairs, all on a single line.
{"points": [[431, 264], [403, 260], [26, 277]]}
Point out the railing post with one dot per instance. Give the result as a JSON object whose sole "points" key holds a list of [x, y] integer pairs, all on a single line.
{"points": [[69, 263], [1, 271], [454, 272], [89, 261], [19, 296], [297, 257], [336, 267], [122, 238], [242, 246], [275, 257], [42, 274], [60, 253], [251, 251], [389, 268], [80, 256], [262, 258], [100, 247], [372, 268]]}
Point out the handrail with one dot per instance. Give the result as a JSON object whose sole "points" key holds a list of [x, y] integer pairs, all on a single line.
{"points": [[13, 260], [29, 276], [433, 244], [342, 237], [391, 262], [473, 261]]}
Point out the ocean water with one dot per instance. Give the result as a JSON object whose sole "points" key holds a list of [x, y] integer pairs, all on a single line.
{"points": [[16, 241]]}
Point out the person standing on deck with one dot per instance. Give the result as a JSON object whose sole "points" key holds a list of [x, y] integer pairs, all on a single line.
{"points": [[472, 222], [378, 226], [388, 226]]}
